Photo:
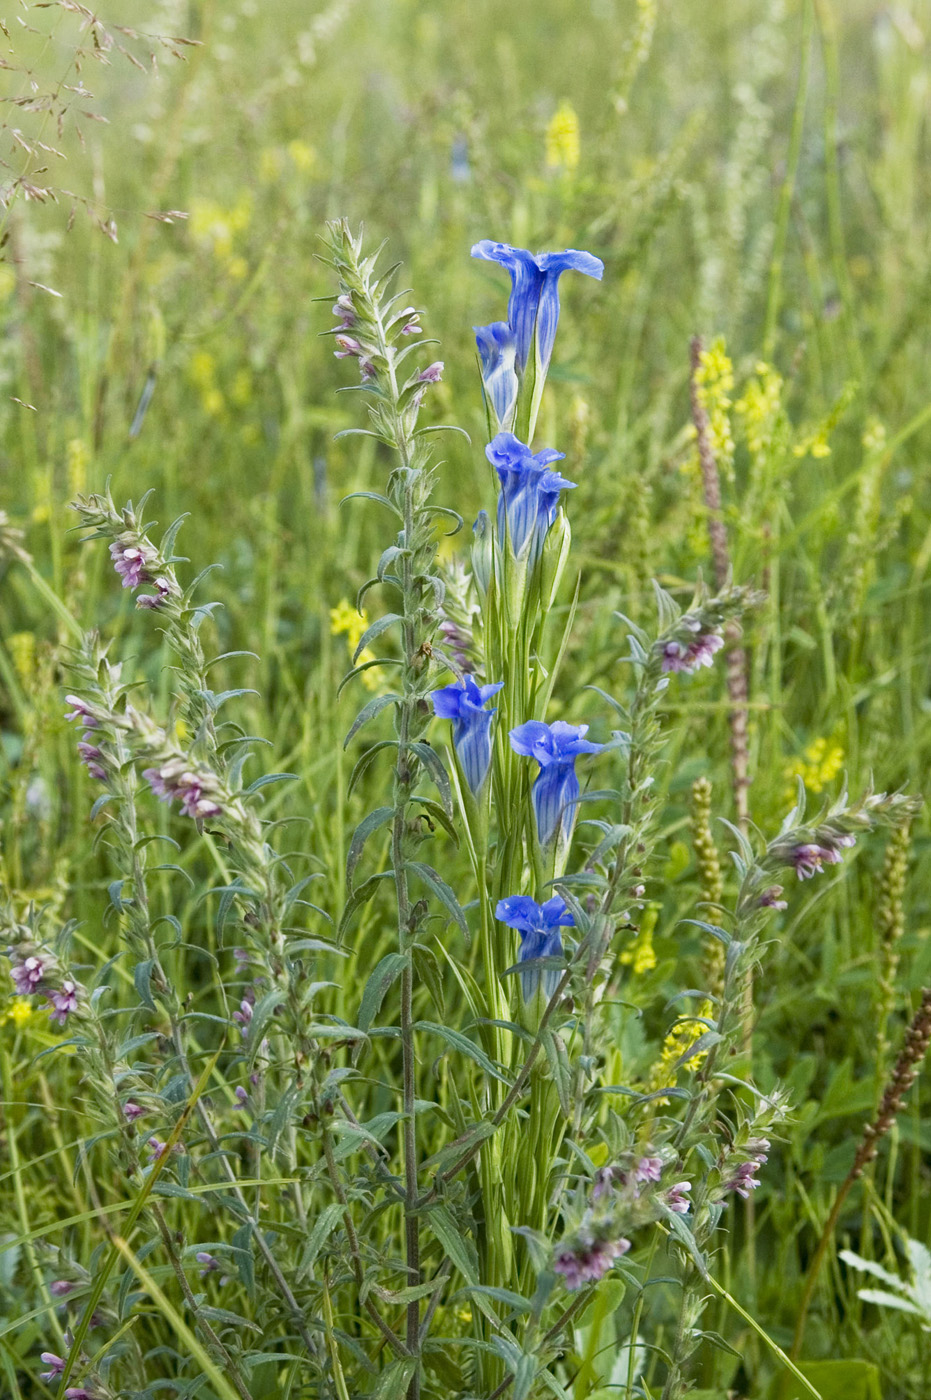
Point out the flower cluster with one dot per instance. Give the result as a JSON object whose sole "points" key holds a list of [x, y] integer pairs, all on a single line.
{"points": [[135, 558], [36, 972], [810, 857], [743, 1178], [364, 344], [92, 755], [688, 657], [586, 1259], [181, 779]]}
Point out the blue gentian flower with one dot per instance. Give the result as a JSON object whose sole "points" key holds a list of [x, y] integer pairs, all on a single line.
{"points": [[556, 790], [529, 495], [465, 706], [534, 301], [538, 926], [497, 350]]}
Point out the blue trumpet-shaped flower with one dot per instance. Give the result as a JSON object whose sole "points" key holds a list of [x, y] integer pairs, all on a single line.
{"points": [[534, 301], [465, 706], [538, 926], [529, 495], [556, 790], [497, 350]]}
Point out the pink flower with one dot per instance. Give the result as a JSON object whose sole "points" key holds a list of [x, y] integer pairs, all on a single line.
{"points": [[432, 374]]}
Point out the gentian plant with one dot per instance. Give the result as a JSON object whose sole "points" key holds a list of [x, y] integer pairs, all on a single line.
{"points": [[415, 1148]]}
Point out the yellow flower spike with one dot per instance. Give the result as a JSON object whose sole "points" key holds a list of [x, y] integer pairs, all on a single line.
{"points": [[345, 619], [663, 1075], [20, 1011], [562, 139], [715, 380], [641, 955], [818, 767]]}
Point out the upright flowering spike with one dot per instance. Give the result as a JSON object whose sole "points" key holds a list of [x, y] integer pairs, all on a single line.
{"points": [[529, 497], [556, 790], [497, 350], [538, 926], [465, 706], [534, 300]]}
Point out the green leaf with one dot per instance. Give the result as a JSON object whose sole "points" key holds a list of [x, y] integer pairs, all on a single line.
{"points": [[363, 831], [442, 891], [369, 711], [386, 973], [359, 896], [558, 1059], [380, 625], [142, 977], [395, 1379], [262, 1013], [434, 766], [458, 1247], [324, 1225], [463, 1044]]}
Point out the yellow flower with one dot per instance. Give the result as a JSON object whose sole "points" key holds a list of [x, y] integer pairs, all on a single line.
{"points": [[664, 1073], [818, 766], [19, 1012], [715, 380], [237, 267], [344, 618], [202, 369], [641, 955], [562, 138], [213, 402], [304, 156], [760, 406]]}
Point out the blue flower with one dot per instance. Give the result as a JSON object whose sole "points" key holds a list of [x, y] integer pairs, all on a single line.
{"points": [[556, 790], [529, 495], [497, 350], [534, 301], [538, 926], [465, 706]]}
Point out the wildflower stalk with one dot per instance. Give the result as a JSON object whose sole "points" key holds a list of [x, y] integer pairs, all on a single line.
{"points": [[905, 1072], [375, 325]]}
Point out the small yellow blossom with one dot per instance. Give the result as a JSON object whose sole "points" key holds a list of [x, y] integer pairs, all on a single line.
{"points": [[303, 156], [760, 406], [641, 955], [213, 402], [562, 138], [19, 1012], [714, 379], [818, 766], [664, 1073], [344, 618], [202, 369], [237, 268]]}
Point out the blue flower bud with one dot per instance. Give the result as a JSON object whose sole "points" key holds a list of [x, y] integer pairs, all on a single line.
{"points": [[529, 497]]}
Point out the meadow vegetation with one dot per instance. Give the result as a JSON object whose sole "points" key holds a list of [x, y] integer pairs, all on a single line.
{"points": [[232, 1160]]}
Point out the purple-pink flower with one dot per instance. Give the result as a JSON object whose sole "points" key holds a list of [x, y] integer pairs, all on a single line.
{"points": [[132, 559], [688, 657], [91, 756], [132, 1111], [588, 1260], [27, 976], [61, 1287], [194, 789], [63, 1001], [648, 1169], [677, 1197], [55, 1364], [432, 374]]}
